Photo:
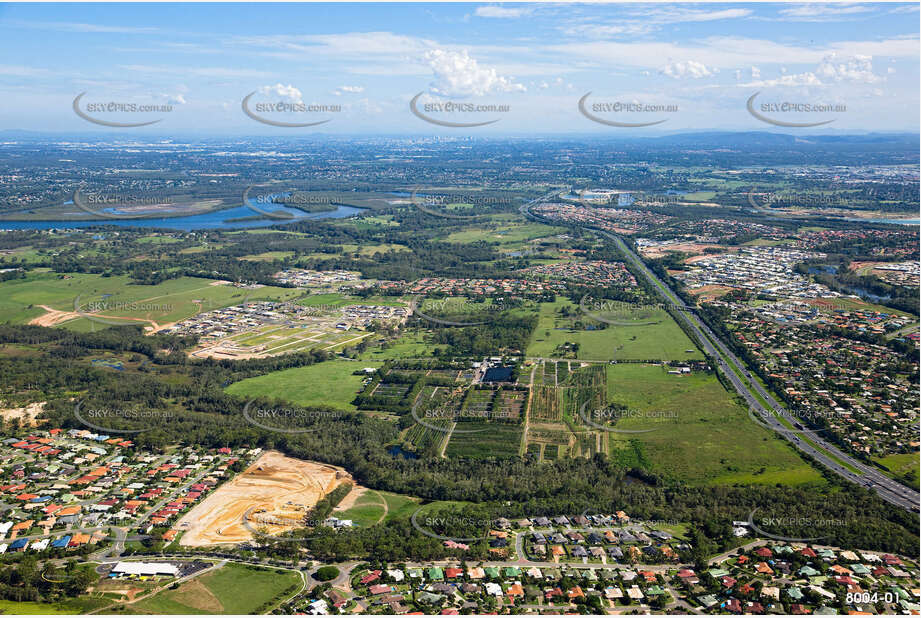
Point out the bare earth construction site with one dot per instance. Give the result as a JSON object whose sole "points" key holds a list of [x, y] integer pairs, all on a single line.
{"points": [[275, 494]]}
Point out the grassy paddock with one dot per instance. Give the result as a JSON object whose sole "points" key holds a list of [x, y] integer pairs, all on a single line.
{"points": [[699, 433], [325, 384], [660, 339]]}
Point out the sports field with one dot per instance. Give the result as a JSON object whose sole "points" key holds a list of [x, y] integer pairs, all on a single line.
{"points": [[370, 507], [699, 433], [658, 337], [231, 589]]}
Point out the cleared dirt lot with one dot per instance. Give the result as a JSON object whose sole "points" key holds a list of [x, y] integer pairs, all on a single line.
{"points": [[274, 489]]}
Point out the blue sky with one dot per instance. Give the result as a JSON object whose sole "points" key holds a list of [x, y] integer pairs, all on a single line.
{"points": [[696, 64]]}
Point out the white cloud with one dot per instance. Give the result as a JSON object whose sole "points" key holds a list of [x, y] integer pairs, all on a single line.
{"points": [[457, 74], [174, 99], [680, 15], [288, 92], [724, 52], [603, 31], [689, 68], [501, 12], [62, 26], [756, 73], [349, 89], [214, 72], [22, 71], [853, 69], [790, 80], [823, 12]]}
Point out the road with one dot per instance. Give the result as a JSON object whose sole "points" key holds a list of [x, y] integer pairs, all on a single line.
{"points": [[732, 367]]}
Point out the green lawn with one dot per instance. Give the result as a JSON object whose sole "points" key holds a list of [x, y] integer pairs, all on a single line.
{"points": [[232, 589], [398, 505], [658, 338], [367, 510], [330, 383], [700, 434]]}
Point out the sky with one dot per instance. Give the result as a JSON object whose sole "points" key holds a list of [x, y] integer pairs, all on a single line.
{"points": [[521, 68]]}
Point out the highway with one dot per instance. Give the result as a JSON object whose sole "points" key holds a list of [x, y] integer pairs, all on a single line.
{"points": [[735, 370]]}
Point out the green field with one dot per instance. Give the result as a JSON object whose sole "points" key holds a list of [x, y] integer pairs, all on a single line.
{"points": [[662, 339], [904, 466], [409, 345], [378, 506], [330, 383], [79, 605], [111, 297], [368, 510], [231, 589], [502, 232], [700, 434]]}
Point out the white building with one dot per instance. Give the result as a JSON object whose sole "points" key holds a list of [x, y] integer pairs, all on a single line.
{"points": [[145, 569]]}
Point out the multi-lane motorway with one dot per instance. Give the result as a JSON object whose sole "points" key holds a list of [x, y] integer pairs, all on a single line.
{"points": [[731, 366]]}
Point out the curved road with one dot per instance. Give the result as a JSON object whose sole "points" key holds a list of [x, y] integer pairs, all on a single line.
{"points": [[732, 367]]}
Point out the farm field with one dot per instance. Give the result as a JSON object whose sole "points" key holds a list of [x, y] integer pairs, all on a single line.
{"points": [[495, 440], [114, 297], [330, 383], [700, 434], [231, 589], [660, 340]]}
